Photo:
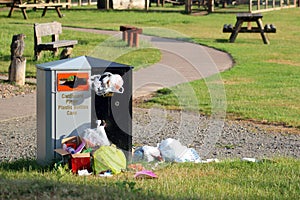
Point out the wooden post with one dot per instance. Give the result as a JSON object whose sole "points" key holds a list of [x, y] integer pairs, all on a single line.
{"points": [[130, 38], [211, 7], [188, 6], [136, 39], [17, 66], [18, 71], [125, 36], [106, 4], [147, 2]]}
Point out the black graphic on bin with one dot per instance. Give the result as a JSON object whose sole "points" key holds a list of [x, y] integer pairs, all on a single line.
{"points": [[68, 105], [115, 108]]}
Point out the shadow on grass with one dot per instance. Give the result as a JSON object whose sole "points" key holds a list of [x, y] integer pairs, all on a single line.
{"points": [[222, 41], [60, 184], [21, 165], [45, 188], [6, 58]]}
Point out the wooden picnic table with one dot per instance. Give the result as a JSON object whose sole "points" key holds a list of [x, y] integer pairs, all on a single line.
{"points": [[23, 6], [248, 17]]}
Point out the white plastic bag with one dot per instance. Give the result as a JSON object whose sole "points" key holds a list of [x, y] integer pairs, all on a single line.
{"points": [[190, 155], [146, 153], [151, 153], [95, 137], [107, 83], [171, 149]]}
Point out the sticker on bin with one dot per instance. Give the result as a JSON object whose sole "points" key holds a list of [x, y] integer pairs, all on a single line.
{"points": [[107, 83], [76, 81]]}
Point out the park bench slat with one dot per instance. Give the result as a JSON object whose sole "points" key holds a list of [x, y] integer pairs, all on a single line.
{"points": [[53, 29]]}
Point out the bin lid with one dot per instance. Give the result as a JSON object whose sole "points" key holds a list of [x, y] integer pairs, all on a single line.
{"points": [[78, 63]]}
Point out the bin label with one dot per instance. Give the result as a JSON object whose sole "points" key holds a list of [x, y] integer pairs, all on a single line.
{"points": [[71, 102]]}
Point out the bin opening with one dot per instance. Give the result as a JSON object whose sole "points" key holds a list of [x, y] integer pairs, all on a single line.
{"points": [[107, 84], [72, 81]]}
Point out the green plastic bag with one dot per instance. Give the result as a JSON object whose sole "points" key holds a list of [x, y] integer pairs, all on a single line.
{"points": [[109, 158]]}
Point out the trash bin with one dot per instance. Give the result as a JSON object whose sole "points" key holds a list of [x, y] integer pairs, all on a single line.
{"points": [[67, 105]]}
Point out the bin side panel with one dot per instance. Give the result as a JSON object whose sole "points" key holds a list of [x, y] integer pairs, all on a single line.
{"points": [[45, 116]]}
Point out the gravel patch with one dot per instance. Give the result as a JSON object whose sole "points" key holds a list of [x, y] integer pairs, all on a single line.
{"points": [[18, 139], [8, 90], [236, 139]]}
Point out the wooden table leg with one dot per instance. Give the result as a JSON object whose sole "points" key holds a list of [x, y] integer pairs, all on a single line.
{"points": [[58, 11], [11, 11], [44, 11], [24, 13], [236, 30], [262, 32]]}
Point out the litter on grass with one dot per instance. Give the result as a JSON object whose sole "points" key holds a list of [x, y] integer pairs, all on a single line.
{"points": [[145, 174], [169, 150]]}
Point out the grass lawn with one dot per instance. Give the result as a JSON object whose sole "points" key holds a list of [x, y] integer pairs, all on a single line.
{"points": [[262, 86], [276, 179]]}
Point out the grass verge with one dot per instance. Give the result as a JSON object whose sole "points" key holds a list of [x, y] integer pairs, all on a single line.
{"points": [[269, 179]]}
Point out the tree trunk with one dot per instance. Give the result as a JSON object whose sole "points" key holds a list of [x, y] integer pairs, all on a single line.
{"points": [[17, 71]]}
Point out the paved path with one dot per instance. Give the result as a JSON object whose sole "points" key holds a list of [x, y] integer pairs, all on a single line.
{"points": [[181, 62]]}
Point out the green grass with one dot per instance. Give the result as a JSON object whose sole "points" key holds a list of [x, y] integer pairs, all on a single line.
{"points": [[276, 179], [262, 86], [88, 43]]}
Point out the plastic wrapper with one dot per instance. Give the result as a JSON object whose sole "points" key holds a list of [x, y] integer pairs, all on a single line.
{"points": [[95, 137]]}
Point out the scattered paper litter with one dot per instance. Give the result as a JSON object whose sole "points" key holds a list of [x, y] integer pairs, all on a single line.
{"points": [[84, 172]]}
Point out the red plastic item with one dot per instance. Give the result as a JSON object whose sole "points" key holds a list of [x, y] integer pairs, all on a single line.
{"points": [[80, 161], [73, 145]]}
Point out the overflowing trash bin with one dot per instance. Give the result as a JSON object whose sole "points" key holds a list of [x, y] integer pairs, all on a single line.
{"points": [[77, 96]]}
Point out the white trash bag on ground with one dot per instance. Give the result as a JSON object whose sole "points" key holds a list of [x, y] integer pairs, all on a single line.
{"points": [[147, 153], [173, 151]]}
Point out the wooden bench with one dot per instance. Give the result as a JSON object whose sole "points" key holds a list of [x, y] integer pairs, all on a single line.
{"points": [[52, 29], [249, 17], [131, 35], [8, 3], [13, 4]]}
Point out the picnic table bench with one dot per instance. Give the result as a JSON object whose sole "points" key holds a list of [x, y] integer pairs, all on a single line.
{"points": [[13, 4], [249, 17], [52, 29]]}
